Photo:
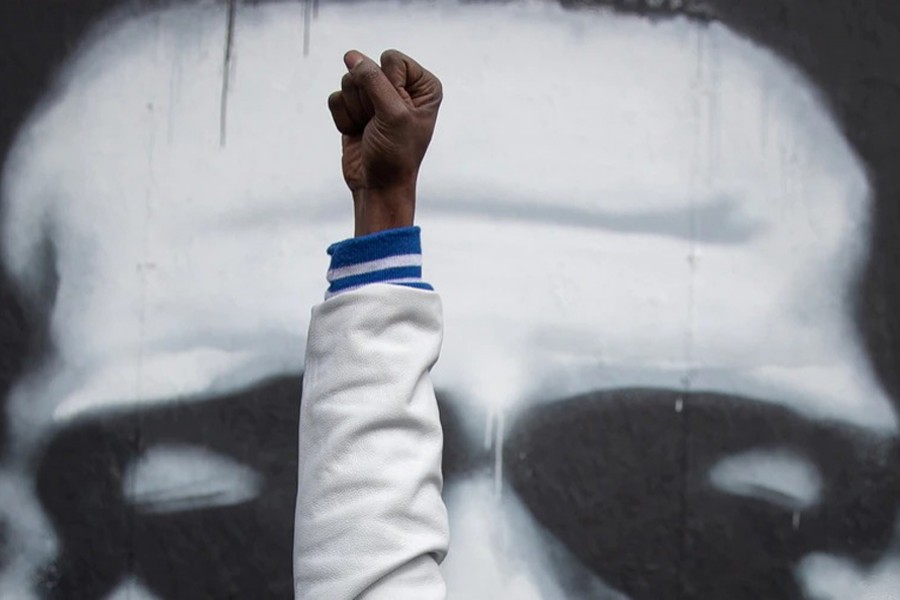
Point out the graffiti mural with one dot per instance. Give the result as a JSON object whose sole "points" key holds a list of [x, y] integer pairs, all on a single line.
{"points": [[664, 233]]}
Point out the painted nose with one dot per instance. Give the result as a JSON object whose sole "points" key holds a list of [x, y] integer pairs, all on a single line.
{"points": [[503, 552]]}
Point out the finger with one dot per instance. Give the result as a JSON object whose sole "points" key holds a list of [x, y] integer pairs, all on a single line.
{"points": [[416, 82], [342, 119], [400, 68], [368, 76], [352, 101]]}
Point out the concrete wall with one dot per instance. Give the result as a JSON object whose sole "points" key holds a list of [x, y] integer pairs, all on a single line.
{"points": [[663, 235]]}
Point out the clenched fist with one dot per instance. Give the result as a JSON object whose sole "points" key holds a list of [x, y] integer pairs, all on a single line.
{"points": [[386, 115]]}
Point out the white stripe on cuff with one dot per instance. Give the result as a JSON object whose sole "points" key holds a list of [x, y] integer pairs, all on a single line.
{"points": [[391, 281], [388, 262]]}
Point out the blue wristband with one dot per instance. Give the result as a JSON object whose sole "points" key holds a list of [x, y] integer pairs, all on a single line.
{"points": [[393, 256]]}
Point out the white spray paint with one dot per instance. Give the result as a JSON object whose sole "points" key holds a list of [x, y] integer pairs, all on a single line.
{"points": [[131, 589], [829, 577], [596, 143], [30, 541], [172, 478], [777, 475], [501, 552], [608, 202]]}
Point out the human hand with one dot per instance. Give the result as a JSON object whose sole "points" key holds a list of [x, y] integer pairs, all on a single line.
{"points": [[386, 116]]}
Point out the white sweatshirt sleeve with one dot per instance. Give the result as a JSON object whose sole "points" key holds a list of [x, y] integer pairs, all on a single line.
{"points": [[370, 522]]}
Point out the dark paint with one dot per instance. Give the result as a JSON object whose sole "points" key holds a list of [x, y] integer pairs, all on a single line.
{"points": [[662, 533]]}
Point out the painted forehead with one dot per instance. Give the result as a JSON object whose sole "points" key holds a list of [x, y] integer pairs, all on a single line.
{"points": [[568, 104], [587, 165]]}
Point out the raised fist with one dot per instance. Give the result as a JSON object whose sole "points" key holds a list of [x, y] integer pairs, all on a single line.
{"points": [[387, 115]]}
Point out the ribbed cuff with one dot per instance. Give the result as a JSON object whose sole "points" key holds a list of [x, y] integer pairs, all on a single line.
{"points": [[393, 256]]}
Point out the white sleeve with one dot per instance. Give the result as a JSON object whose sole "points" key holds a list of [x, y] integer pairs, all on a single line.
{"points": [[370, 522]]}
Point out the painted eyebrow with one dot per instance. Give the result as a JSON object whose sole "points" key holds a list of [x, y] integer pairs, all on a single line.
{"points": [[723, 221], [775, 475]]}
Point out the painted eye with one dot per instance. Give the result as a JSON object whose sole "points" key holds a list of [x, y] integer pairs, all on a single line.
{"points": [[602, 473], [716, 497], [779, 476], [145, 502], [171, 478]]}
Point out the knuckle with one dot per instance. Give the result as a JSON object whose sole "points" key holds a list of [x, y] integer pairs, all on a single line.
{"points": [[391, 55]]}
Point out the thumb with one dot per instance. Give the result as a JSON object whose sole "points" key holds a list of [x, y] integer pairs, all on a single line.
{"points": [[369, 77]]}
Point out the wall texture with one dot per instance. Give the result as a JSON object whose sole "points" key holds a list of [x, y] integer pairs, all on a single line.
{"points": [[664, 232]]}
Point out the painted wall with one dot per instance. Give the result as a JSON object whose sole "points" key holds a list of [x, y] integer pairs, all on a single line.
{"points": [[664, 237]]}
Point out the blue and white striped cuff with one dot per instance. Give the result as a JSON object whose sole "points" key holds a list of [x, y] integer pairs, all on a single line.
{"points": [[392, 256]]}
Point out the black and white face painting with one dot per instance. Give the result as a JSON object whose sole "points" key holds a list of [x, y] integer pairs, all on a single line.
{"points": [[647, 235]]}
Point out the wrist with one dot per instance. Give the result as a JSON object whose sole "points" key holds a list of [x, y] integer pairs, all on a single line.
{"points": [[384, 208]]}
